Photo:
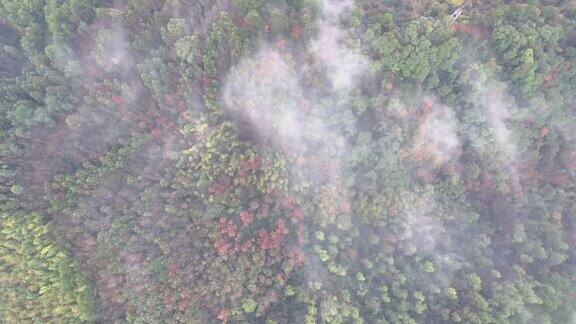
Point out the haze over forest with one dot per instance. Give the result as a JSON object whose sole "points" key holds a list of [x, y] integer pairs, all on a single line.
{"points": [[287, 161]]}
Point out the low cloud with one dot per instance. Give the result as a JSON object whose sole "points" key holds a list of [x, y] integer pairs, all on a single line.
{"points": [[265, 92], [344, 64], [437, 136]]}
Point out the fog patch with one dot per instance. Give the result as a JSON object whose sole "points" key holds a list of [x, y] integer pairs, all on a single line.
{"points": [[497, 105], [111, 53], [421, 230], [344, 64], [437, 136], [265, 92]]}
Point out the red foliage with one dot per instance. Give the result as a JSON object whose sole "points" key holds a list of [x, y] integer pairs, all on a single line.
{"points": [[172, 271], [242, 23], [183, 305], [157, 132], [206, 81], [223, 314], [548, 78], [516, 188], [486, 185], [569, 159], [300, 233], [297, 257], [304, 105], [427, 105], [227, 227], [221, 247], [182, 106], [281, 227], [281, 278], [218, 188], [473, 31], [264, 210], [426, 174], [172, 101], [280, 44], [296, 215], [91, 71], [288, 202], [276, 239], [167, 299], [246, 246], [269, 241], [270, 65], [560, 180], [345, 207], [391, 238], [118, 100], [264, 239], [252, 165], [296, 32], [246, 217], [270, 298]]}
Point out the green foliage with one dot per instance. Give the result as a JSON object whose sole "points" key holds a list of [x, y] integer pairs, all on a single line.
{"points": [[39, 281], [185, 48], [426, 50], [249, 306]]}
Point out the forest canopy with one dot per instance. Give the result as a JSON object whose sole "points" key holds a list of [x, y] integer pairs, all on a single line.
{"points": [[287, 161]]}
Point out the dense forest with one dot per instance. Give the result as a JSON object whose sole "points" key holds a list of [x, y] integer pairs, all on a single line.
{"points": [[287, 161]]}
